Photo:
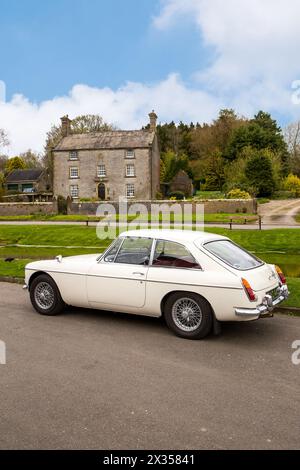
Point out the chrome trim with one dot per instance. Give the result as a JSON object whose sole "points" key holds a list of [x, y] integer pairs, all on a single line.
{"points": [[25, 286], [266, 307]]}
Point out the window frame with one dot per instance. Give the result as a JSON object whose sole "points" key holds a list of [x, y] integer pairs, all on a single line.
{"points": [[101, 165], [74, 152], [70, 190], [261, 262], [130, 153], [70, 170], [130, 196], [132, 166], [101, 259], [172, 267]]}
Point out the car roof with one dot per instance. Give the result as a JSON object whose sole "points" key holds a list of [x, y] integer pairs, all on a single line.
{"points": [[174, 235]]}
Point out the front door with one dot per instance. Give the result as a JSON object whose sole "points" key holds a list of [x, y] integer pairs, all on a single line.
{"points": [[120, 277], [101, 191]]}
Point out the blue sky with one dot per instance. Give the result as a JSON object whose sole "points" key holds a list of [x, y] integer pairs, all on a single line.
{"points": [[187, 59], [55, 44]]}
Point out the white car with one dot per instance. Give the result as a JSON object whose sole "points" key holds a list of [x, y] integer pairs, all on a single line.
{"points": [[193, 279]]}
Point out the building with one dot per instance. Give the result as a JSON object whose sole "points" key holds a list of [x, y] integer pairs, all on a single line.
{"points": [[32, 181], [183, 183], [107, 165]]}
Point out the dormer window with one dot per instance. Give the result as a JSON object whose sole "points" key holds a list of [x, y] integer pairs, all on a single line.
{"points": [[129, 153], [73, 155]]}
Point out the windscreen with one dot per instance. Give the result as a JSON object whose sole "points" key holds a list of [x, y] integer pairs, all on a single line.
{"points": [[233, 255]]}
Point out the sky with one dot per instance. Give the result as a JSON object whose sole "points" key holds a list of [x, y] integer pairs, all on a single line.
{"points": [[186, 59]]}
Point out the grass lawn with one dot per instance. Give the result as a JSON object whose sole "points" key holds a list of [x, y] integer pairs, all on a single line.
{"points": [[267, 241], [217, 217]]}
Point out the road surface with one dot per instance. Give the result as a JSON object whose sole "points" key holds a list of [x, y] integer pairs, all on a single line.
{"points": [[96, 380]]}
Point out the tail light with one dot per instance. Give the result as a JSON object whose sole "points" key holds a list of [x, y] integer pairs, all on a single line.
{"points": [[280, 275], [248, 290]]}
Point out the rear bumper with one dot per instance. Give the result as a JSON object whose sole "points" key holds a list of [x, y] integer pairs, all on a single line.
{"points": [[268, 304]]}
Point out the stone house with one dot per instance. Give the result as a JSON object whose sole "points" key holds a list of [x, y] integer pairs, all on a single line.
{"points": [[107, 165], [182, 182], [26, 181]]}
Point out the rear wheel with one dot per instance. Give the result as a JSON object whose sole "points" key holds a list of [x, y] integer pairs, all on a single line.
{"points": [[45, 296], [188, 315]]}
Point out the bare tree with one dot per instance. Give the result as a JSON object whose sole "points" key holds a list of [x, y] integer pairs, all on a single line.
{"points": [[3, 138], [292, 138]]}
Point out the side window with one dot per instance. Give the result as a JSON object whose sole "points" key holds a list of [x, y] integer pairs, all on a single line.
{"points": [[171, 254], [135, 250], [111, 254]]}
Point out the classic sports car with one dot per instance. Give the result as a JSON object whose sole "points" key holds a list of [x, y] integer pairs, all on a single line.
{"points": [[193, 279]]}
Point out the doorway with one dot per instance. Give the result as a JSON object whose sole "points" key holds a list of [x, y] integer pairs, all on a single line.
{"points": [[101, 191]]}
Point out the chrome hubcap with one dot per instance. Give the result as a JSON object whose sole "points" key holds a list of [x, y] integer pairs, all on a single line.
{"points": [[44, 295], [186, 314]]}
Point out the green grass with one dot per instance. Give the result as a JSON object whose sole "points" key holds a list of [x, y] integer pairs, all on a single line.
{"points": [[209, 195], [297, 218], [286, 242]]}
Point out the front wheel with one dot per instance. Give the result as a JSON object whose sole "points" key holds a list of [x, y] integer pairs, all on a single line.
{"points": [[45, 296], [188, 315]]}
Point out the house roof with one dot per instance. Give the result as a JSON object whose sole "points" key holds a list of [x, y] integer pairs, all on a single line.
{"points": [[107, 140], [17, 176]]}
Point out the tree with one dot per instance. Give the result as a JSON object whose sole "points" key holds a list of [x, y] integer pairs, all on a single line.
{"points": [[82, 124], [4, 141], [14, 163], [31, 159], [292, 139], [292, 183], [261, 132], [259, 173], [172, 164]]}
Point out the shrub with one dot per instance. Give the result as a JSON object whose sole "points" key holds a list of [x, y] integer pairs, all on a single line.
{"points": [[177, 195], [292, 183], [259, 173], [62, 206], [238, 194]]}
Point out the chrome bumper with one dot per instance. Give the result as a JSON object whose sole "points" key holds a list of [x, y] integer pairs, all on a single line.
{"points": [[25, 286], [268, 304]]}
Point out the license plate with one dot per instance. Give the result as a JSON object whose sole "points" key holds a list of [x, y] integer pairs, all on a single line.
{"points": [[273, 293]]}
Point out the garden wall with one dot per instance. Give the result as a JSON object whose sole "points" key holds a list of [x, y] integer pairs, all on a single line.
{"points": [[210, 206], [27, 208]]}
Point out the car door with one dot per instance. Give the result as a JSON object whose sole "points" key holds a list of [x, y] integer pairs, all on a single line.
{"points": [[119, 278]]}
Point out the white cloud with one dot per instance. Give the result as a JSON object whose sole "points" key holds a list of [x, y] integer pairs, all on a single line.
{"points": [[126, 107], [255, 45]]}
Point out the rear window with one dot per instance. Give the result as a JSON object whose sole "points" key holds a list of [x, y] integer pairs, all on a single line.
{"points": [[233, 255]]}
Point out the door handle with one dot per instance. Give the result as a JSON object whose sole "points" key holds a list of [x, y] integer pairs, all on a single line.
{"points": [[138, 273]]}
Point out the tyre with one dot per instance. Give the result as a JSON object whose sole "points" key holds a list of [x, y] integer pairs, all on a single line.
{"points": [[45, 296], [188, 315]]}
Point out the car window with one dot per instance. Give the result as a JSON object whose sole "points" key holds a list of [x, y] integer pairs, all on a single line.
{"points": [[172, 254], [111, 253], [135, 250], [233, 254]]}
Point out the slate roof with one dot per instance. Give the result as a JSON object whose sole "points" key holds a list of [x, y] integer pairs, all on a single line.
{"points": [[24, 175], [107, 140]]}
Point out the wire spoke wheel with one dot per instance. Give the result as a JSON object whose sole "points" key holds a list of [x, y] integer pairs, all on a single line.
{"points": [[187, 314], [44, 295]]}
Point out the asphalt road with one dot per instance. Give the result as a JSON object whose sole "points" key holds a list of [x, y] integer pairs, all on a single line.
{"points": [[90, 379]]}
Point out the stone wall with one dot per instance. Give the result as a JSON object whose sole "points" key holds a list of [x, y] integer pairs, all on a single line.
{"points": [[211, 206], [27, 208]]}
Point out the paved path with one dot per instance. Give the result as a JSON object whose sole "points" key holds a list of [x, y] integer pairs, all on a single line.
{"points": [[90, 379], [280, 212]]}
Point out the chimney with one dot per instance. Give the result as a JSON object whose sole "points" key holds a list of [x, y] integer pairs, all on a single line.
{"points": [[153, 118], [65, 125]]}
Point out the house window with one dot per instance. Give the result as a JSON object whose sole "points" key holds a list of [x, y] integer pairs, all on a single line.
{"points": [[129, 190], [130, 170], [73, 155], [74, 172], [74, 191], [129, 153], [101, 171]]}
